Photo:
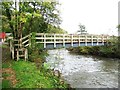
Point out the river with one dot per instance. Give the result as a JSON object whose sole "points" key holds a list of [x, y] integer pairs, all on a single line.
{"points": [[84, 71]]}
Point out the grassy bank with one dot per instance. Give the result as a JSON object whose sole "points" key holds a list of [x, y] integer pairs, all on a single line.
{"points": [[28, 76], [21, 74], [104, 51]]}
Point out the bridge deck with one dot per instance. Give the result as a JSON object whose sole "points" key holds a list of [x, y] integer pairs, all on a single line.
{"points": [[64, 39]]}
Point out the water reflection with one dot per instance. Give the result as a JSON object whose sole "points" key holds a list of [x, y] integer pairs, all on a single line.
{"points": [[85, 71]]}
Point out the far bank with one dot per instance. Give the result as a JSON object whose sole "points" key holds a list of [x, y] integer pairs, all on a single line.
{"points": [[104, 51]]}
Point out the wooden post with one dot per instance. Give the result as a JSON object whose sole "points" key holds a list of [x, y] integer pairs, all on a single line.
{"points": [[12, 50], [20, 43], [97, 41], [17, 54], [79, 40], [26, 54], [11, 45], [63, 40], [44, 41], [92, 39], [85, 40], [72, 40], [102, 40], [54, 41]]}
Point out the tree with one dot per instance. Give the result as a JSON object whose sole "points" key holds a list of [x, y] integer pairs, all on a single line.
{"points": [[26, 17], [54, 29], [31, 17], [82, 29]]}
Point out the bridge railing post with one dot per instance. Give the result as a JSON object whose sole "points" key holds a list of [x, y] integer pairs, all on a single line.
{"points": [[72, 40], [79, 40], [63, 40], [44, 40], [92, 40], [54, 41], [85, 40], [102, 40], [97, 40]]}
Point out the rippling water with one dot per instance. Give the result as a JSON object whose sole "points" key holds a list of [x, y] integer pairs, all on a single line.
{"points": [[84, 71]]}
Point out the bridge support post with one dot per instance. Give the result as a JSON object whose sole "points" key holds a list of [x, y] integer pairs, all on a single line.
{"points": [[102, 40], [54, 41], [72, 40], [85, 40], [92, 39], [79, 41], [63, 40], [97, 41], [44, 41]]}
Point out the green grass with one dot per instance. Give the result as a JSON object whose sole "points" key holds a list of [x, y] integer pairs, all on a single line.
{"points": [[5, 65], [3, 46], [29, 76], [6, 84]]}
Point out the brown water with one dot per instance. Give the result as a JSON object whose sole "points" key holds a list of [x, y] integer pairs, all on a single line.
{"points": [[82, 71]]}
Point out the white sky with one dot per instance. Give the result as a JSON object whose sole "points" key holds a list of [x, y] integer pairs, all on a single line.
{"points": [[99, 16]]}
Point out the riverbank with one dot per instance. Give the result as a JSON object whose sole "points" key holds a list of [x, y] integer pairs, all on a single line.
{"points": [[104, 51], [21, 74]]}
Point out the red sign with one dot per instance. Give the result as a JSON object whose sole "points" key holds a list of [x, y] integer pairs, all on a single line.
{"points": [[2, 35]]}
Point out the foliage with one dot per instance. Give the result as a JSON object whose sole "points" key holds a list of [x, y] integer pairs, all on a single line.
{"points": [[30, 17], [32, 40], [35, 52], [105, 51], [54, 29]]}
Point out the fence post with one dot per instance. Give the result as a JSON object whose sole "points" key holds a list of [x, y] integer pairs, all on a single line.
{"points": [[11, 45], [17, 54], [12, 51], [26, 54]]}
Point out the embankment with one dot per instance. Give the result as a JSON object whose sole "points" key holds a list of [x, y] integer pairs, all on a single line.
{"points": [[104, 51]]}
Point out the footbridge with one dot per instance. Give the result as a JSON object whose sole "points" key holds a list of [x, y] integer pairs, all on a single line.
{"points": [[18, 47], [66, 40]]}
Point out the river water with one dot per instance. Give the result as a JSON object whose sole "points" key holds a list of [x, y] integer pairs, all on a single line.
{"points": [[84, 71]]}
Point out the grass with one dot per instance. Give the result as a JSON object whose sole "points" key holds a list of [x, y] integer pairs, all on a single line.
{"points": [[21, 74], [28, 76], [6, 84]]}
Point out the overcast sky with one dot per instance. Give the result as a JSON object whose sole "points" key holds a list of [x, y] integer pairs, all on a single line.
{"points": [[99, 16]]}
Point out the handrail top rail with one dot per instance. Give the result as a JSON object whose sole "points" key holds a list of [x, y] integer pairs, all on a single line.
{"points": [[71, 34]]}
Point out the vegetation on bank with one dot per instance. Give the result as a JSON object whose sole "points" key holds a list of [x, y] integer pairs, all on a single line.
{"points": [[29, 74], [105, 51], [111, 49]]}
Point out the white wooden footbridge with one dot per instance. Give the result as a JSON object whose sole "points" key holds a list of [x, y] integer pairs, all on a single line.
{"points": [[61, 40], [57, 41]]}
